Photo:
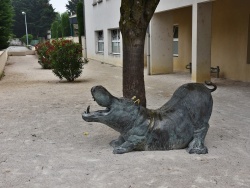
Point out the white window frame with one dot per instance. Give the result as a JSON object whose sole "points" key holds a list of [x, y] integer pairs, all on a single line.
{"points": [[116, 40], [99, 41]]}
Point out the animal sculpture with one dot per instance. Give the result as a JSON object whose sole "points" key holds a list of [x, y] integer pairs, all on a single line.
{"points": [[180, 123]]}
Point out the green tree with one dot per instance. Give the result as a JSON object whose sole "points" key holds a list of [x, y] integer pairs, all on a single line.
{"points": [[134, 21], [53, 29], [24, 38], [6, 20], [40, 14], [56, 27], [72, 6], [65, 25], [80, 21], [56, 30], [59, 29]]}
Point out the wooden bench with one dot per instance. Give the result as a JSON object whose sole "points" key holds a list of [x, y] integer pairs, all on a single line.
{"points": [[212, 69]]}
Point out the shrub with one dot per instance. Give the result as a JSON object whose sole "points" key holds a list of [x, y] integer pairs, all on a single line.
{"points": [[43, 51], [67, 59], [24, 38]]}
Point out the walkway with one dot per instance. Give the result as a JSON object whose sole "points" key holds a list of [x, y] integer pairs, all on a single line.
{"points": [[43, 140]]}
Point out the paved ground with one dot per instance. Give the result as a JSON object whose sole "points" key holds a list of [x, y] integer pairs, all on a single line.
{"points": [[42, 140]]}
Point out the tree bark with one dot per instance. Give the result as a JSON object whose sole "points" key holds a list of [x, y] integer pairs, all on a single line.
{"points": [[134, 20]]}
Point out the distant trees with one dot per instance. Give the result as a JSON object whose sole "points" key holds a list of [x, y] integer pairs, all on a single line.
{"points": [[65, 24], [53, 30], [6, 16], [40, 14], [72, 6], [61, 26], [80, 21], [56, 28]]}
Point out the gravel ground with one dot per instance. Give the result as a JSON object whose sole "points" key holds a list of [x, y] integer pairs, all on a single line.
{"points": [[45, 143]]}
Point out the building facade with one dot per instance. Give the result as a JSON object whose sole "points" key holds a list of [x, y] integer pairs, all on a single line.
{"points": [[204, 32], [103, 38]]}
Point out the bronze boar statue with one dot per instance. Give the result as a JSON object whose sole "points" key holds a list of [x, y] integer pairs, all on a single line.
{"points": [[180, 123]]}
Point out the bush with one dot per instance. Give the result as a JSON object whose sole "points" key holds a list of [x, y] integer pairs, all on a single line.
{"points": [[67, 60], [24, 38], [43, 51]]}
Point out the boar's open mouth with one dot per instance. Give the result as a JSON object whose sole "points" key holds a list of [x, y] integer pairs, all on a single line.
{"points": [[104, 99], [95, 114]]}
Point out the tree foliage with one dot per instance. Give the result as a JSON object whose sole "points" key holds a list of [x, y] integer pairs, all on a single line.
{"points": [[80, 21], [65, 25], [134, 21], [6, 16], [53, 29], [24, 38], [56, 27], [72, 6], [40, 14]]}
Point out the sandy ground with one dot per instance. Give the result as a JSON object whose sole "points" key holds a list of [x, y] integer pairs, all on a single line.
{"points": [[43, 141]]}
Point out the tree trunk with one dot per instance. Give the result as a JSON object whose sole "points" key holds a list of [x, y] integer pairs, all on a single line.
{"points": [[134, 20]]}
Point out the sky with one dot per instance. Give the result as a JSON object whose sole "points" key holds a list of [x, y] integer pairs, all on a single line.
{"points": [[59, 5]]}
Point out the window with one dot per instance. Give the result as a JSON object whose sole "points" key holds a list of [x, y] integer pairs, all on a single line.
{"points": [[175, 40], [100, 41], [115, 41]]}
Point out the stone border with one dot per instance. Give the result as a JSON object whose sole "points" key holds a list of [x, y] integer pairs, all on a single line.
{"points": [[3, 60]]}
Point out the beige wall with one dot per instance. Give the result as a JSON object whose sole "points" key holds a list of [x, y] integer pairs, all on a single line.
{"points": [[230, 20], [183, 18]]}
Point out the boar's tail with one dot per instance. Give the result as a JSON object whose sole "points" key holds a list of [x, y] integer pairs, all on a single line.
{"points": [[211, 84]]}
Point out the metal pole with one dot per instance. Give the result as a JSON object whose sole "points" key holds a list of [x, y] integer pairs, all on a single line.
{"points": [[27, 40], [26, 30]]}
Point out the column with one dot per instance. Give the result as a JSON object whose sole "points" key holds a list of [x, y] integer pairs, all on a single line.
{"points": [[201, 42], [161, 44]]}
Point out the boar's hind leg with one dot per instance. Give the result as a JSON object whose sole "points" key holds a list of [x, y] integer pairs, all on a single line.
{"points": [[197, 144], [117, 142], [134, 142]]}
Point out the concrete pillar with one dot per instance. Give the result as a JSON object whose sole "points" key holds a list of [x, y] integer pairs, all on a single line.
{"points": [[201, 42], [161, 44]]}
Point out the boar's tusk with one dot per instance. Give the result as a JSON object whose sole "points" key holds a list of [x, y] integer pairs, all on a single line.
{"points": [[88, 109]]}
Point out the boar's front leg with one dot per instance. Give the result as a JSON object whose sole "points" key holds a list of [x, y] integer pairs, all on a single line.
{"points": [[134, 142], [117, 142]]}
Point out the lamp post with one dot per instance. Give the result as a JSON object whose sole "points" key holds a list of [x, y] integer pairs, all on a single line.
{"points": [[24, 13]]}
